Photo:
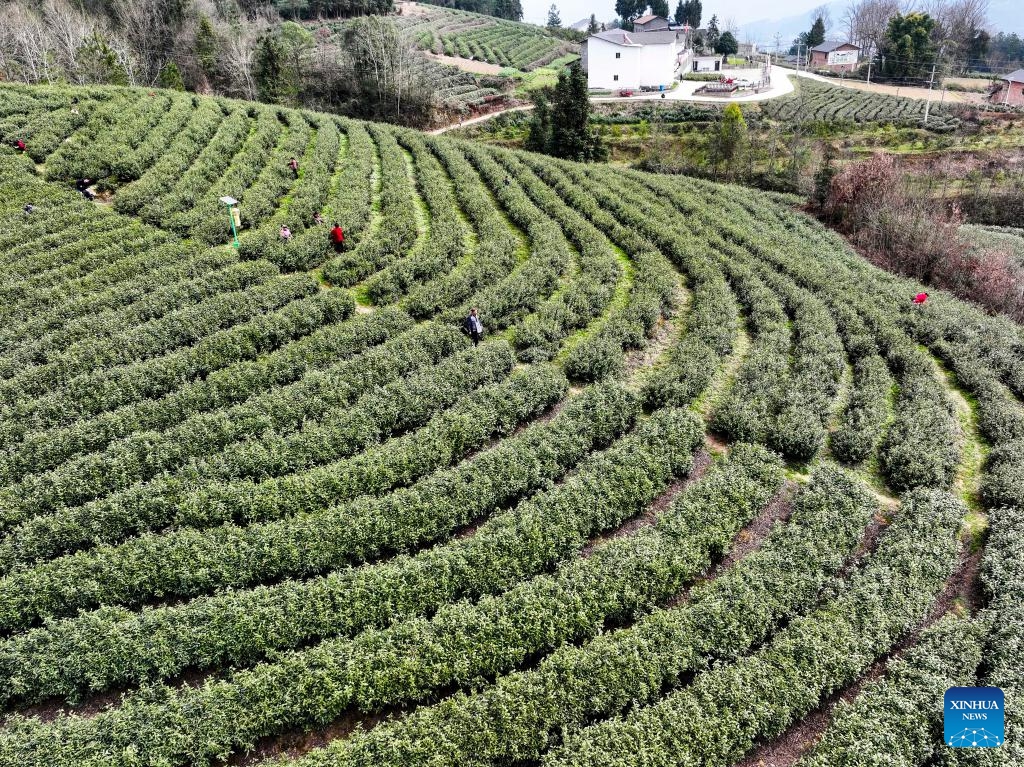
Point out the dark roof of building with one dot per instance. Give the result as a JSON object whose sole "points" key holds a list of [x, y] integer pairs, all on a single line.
{"points": [[1014, 77], [830, 45], [622, 37]]}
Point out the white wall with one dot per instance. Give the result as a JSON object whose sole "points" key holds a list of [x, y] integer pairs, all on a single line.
{"points": [[842, 57], [637, 64], [658, 64], [705, 64]]}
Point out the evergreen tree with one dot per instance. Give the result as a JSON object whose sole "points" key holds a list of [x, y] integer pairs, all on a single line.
{"points": [[296, 43], [539, 137], [554, 20], [816, 36], [170, 77], [508, 9], [680, 14], [571, 136], [799, 47], [207, 48], [823, 178], [593, 27], [978, 49], [729, 141], [711, 39], [694, 11], [659, 8], [727, 45], [628, 10], [907, 49], [268, 69], [97, 63]]}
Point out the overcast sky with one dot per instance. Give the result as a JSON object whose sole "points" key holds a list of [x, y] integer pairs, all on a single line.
{"points": [[793, 15], [536, 11]]}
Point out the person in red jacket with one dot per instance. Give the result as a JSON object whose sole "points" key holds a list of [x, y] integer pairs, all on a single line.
{"points": [[20, 145], [919, 299], [337, 237], [294, 165]]}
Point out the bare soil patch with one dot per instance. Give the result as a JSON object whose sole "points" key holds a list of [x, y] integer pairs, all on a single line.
{"points": [[296, 744], [962, 590], [749, 538], [466, 65], [701, 461]]}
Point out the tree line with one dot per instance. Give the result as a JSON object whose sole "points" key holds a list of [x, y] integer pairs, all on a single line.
{"points": [[235, 48], [903, 44], [503, 9]]}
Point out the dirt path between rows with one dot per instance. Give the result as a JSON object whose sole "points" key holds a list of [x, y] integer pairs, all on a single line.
{"points": [[466, 65], [962, 592]]}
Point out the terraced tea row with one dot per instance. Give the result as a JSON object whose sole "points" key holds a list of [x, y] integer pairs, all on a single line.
{"points": [[271, 490], [483, 38], [816, 101]]}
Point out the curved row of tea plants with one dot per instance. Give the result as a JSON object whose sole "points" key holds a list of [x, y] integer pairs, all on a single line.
{"points": [[333, 507]]}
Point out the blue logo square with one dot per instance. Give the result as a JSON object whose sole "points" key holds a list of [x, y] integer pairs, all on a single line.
{"points": [[973, 717]]}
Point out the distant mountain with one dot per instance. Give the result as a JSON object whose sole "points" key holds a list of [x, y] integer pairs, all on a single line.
{"points": [[763, 31]]}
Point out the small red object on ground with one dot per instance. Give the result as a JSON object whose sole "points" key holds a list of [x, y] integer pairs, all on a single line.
{"points": [[920, 298]]}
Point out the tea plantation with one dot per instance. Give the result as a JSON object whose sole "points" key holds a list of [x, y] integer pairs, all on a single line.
{"points": [[484, 38], [707, 470], [814, 101]]}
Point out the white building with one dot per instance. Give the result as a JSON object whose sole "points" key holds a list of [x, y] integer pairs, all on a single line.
{"points": [[707, 63], [617, 59]]}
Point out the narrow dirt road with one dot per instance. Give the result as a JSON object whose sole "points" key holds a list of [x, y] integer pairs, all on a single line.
{"points": [[937, 95], [480, 119]]}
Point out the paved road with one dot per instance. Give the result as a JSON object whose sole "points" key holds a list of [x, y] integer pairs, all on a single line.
{"points": [[782, 83], [685, 90]]}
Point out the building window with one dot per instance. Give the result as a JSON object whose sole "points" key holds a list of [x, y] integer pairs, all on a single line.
{"points": [[618, 55], [615, 78]]}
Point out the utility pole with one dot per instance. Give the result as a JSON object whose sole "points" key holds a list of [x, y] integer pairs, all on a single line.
{"points": [[935, 64]]}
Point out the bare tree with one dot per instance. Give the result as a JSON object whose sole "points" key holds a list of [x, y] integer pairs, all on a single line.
{"points": [[867, 22], [957, 24], [824, 13], [68, 30], [126, 58], [386, 61], [30, 44], [240, 46], [151, 29]]}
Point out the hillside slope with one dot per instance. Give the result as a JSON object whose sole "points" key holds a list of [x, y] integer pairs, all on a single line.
{"points": [[273, 500], [483, 38]]}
